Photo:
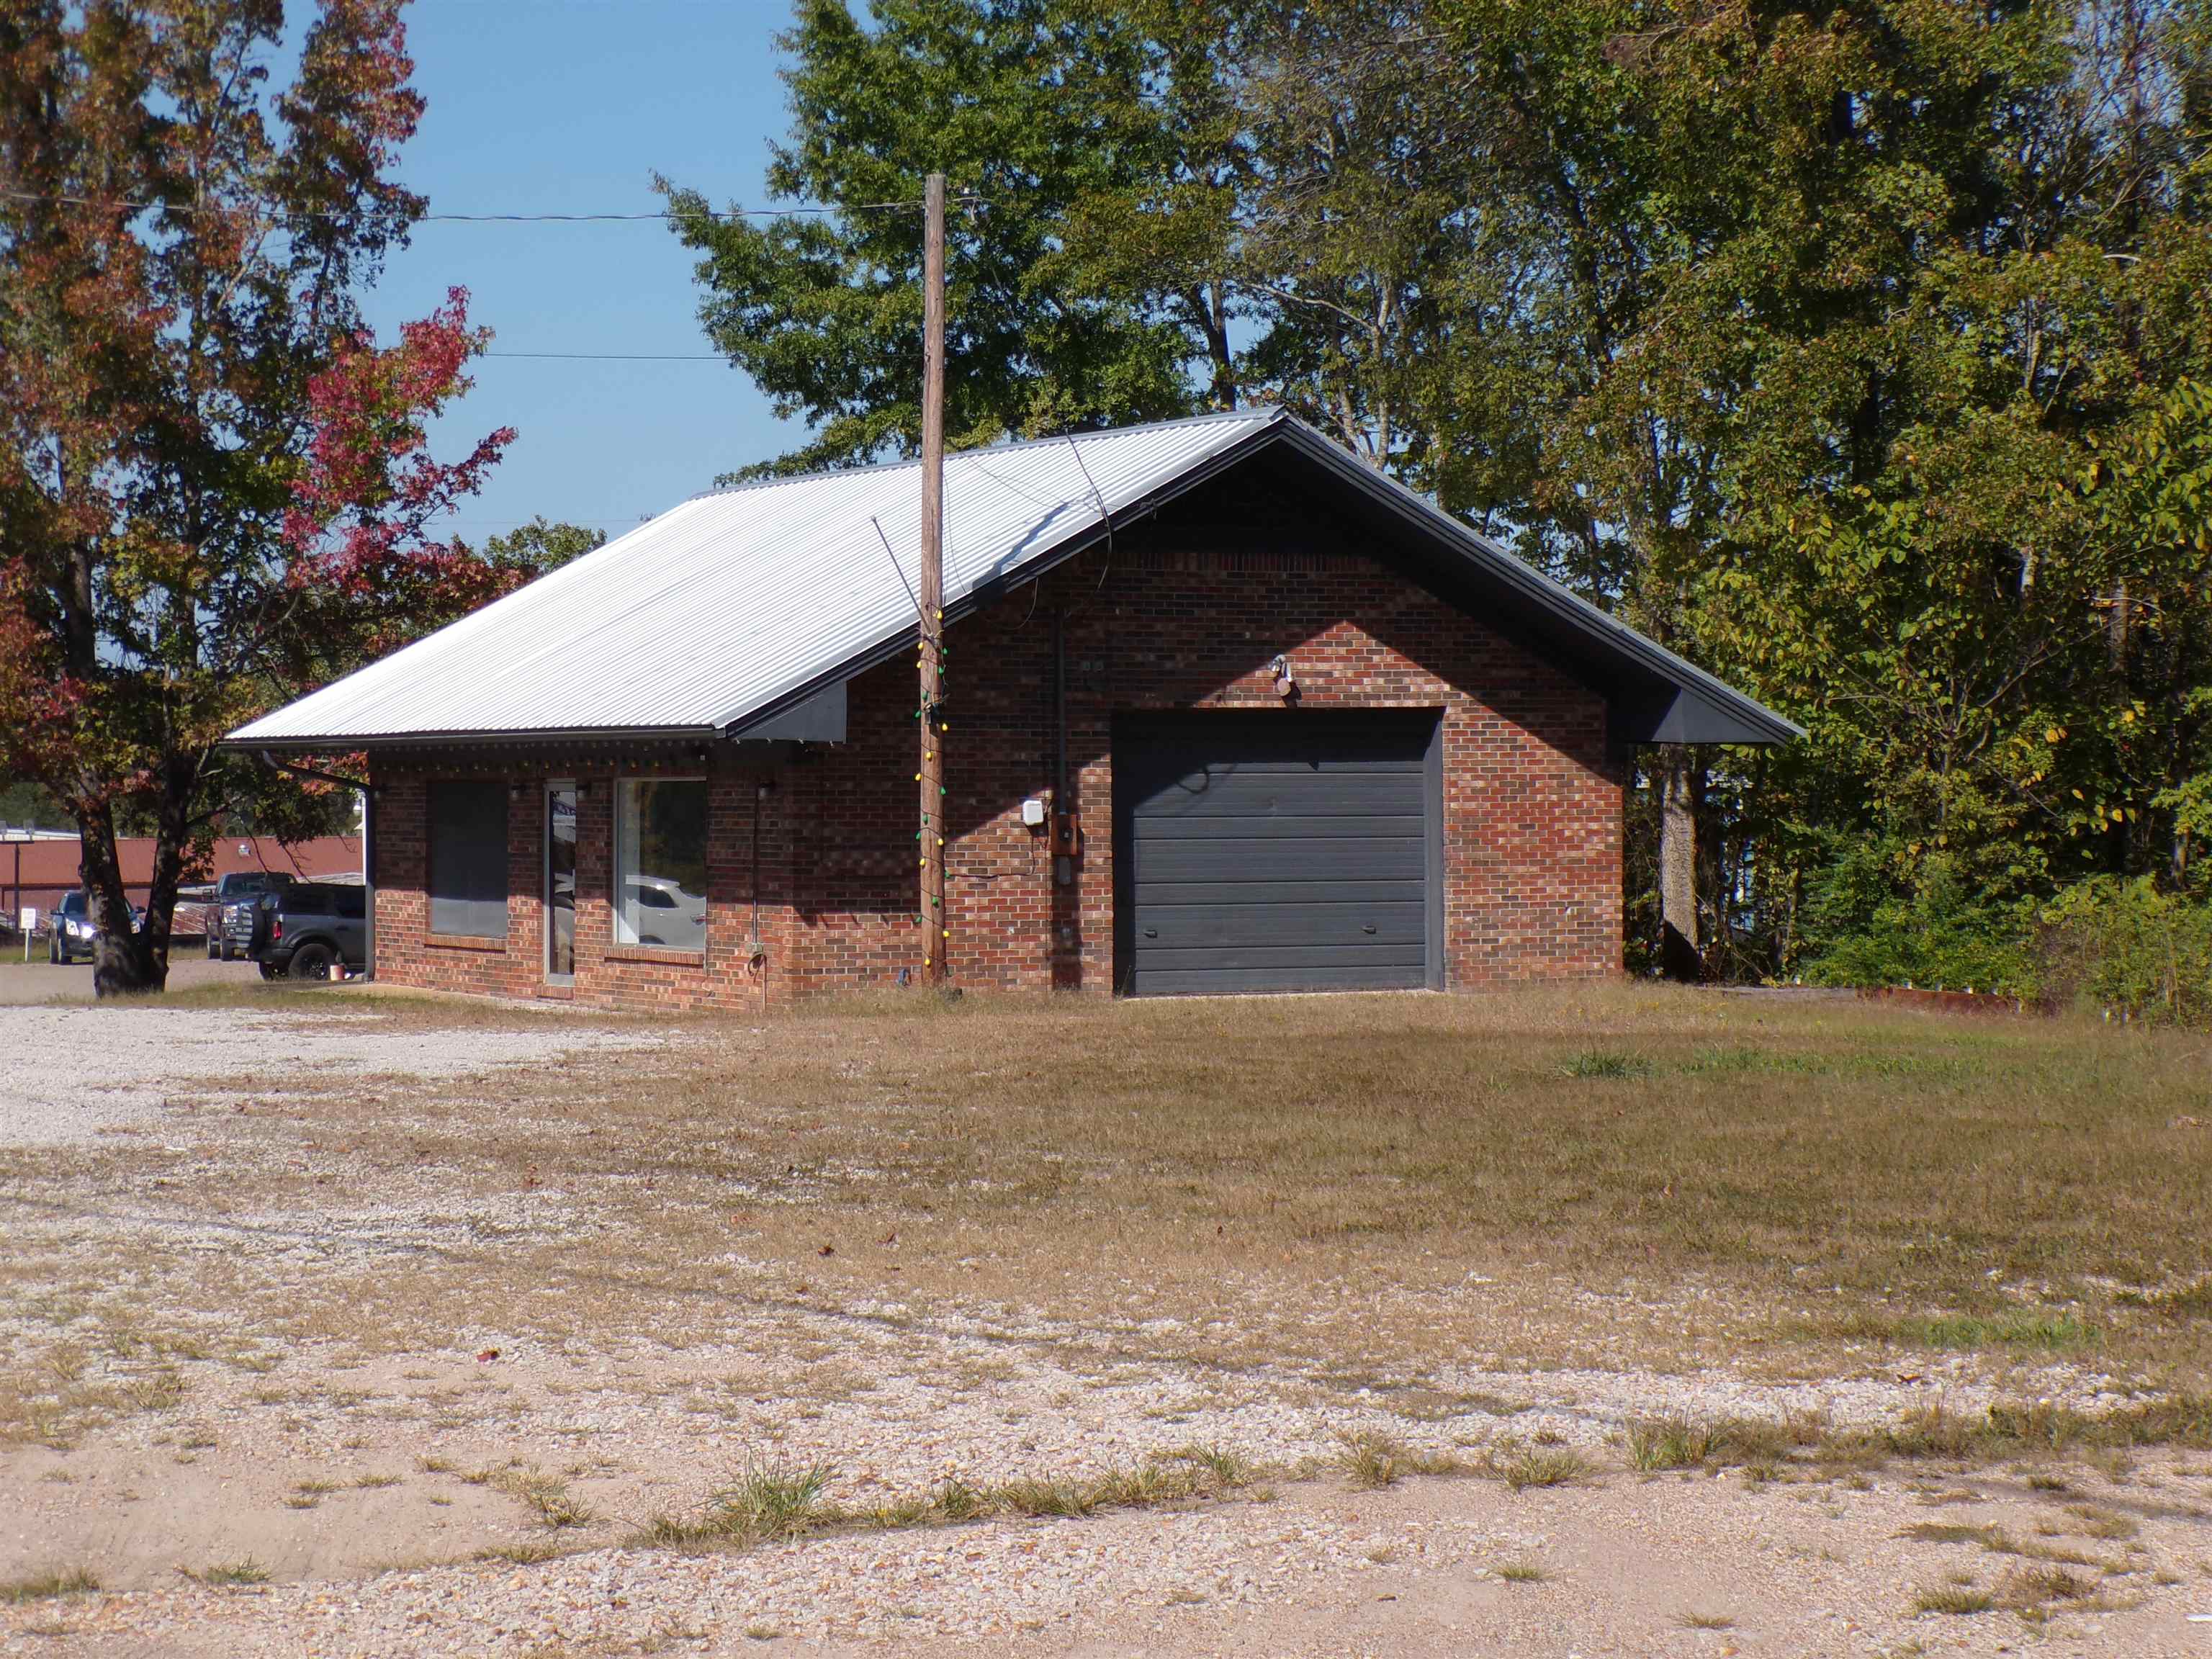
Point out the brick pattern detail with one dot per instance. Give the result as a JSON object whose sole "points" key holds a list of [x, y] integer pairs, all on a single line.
{"points": [[813, 860]]}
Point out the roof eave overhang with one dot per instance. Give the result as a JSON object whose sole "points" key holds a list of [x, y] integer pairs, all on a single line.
{"points": [[333, 743]]}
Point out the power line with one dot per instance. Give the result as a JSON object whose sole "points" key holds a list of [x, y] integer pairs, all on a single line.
{"points": [[661, 216], [615, 356]]}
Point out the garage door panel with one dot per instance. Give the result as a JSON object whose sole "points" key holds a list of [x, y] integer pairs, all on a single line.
{"points": [[1169, 926], [1409, 890], [1279, 957], [1281, 858], [1272, 850], [1232, 982], [1229, 794], [1287, 825]]}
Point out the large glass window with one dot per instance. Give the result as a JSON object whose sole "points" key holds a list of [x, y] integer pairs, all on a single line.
{"points": [[660, 862], [468, 858]]}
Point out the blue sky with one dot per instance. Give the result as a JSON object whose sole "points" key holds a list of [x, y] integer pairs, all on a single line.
{"points": [[564, 107]]}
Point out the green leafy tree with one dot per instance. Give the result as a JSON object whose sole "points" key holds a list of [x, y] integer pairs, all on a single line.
{"points": [[530, 550], [213, 488], [27, 805], [1022, 107], [1856, 353], [1914, 554]]}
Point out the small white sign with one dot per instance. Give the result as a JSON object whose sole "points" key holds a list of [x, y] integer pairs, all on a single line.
{"points": [[29, 921]]}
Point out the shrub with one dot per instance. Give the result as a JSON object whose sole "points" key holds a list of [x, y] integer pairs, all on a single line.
{"points": [[2129, 947], [1937, 936]]}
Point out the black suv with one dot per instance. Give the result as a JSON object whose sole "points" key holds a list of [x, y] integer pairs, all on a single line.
{"points": [[311, 930]]}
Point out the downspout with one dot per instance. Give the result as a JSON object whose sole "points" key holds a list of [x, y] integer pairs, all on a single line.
{"points": [[1059, 710], [369, 883]]}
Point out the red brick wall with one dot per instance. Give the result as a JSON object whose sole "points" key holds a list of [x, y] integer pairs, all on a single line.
{"points": [[1532, 797]]}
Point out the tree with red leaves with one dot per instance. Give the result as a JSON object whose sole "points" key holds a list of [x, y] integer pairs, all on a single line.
{"points": [[215, 490]]}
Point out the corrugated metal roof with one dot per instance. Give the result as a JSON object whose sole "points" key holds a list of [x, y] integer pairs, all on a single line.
{"points": [[736, 605], [728, 605]]}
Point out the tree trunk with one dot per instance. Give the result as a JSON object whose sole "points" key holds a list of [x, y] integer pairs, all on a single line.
{"points": [[173, 835], [1215, 308], [121, 964], [1679, 954]]}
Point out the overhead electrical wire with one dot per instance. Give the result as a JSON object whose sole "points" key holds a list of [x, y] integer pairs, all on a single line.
{"points": [[663, 216], [615, 356]]}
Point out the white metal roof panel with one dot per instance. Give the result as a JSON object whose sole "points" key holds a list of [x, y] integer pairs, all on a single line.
{"points": [[741, 603], [729, 602]]}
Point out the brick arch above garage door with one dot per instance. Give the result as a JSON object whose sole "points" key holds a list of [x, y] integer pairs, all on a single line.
{"points": [[1277, 849]]}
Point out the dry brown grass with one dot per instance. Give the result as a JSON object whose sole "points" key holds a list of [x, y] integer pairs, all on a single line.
{"points": [[767, 1501], [1835, 1179]]}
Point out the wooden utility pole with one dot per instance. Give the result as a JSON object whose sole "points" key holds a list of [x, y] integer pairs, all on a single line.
{"points": [[936, 923]]}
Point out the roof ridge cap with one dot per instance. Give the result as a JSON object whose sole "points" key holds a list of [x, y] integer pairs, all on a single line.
{"points": [[1254, 414]]}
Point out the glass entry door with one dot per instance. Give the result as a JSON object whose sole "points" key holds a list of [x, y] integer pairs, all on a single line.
{"points": [[560, 883]]}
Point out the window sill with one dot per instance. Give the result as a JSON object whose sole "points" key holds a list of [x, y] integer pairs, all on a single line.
{"points": [[462, 942], [655, 953]]}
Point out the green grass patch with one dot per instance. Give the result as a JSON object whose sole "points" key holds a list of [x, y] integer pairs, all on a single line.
{"points": [[1959, 1600], [770, 1502], [1605, 1063], [48, 1586], [248, 1571], [1657, 1444], [1521, 1467]]}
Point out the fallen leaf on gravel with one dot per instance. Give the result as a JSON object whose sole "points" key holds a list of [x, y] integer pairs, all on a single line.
{"points": [[827, 1249]]}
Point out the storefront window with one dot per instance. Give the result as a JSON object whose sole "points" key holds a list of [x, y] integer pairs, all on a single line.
{"points": [[660, 863]]}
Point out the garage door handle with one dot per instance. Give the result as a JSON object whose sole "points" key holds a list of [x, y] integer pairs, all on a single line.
{"points": [[1152, 932], [1368, 927]]}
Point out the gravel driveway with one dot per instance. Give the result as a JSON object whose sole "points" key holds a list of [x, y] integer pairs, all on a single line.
{"points": [[83, 1072]]}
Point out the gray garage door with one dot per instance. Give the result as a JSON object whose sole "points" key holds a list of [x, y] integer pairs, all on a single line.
{"points": [[1273, 850]]}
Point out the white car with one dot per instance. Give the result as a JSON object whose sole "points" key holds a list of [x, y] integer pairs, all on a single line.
{"points": [[656, 911]]}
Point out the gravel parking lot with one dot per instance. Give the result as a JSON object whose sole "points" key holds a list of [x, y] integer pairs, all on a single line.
{"points": [[38, 982], [343, 1324]]}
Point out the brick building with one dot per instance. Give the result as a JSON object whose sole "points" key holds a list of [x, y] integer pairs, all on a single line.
{"points": [[38, 873], [1228, 711]]}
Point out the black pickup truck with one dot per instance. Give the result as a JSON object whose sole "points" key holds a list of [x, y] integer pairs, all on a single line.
{"points": [[234, 893], [311, 930]]}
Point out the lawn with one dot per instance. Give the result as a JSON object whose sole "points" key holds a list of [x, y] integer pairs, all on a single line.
{"points": [[1352, 1186]]}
